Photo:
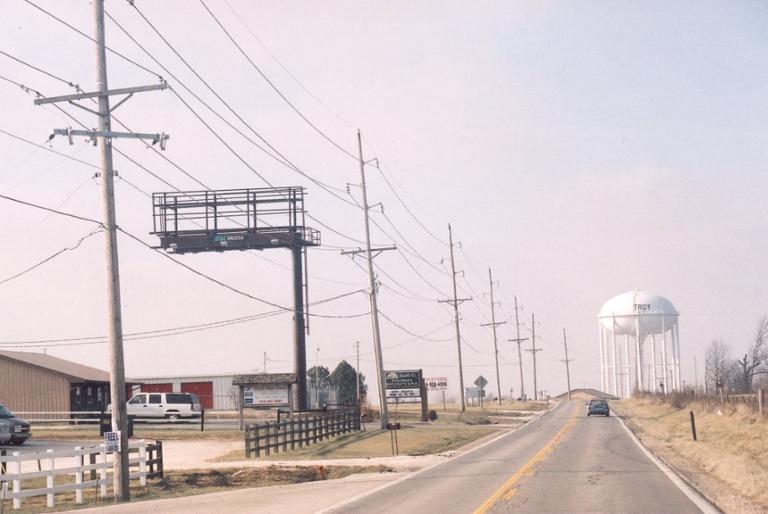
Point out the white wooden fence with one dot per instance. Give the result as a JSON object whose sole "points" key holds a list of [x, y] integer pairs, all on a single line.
{"points": [[74, 463]]}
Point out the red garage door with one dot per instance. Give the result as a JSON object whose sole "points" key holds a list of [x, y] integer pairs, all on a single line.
{"points": [[203, 390], [156, 388]]}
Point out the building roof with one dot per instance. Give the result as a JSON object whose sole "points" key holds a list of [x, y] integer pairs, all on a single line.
{"points": [[65, 367], [265, 378]]}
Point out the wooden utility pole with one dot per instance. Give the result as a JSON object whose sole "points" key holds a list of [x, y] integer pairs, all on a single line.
{"points": [[519, 342], [369, 255], [533, 350], [567, 364], [103, 136], [494, 324], [456, 301]]}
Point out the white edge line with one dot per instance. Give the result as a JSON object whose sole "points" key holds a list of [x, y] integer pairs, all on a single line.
{"points": [[706, 506], [362, 495]]}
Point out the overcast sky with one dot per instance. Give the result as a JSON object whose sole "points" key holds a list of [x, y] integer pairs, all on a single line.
{"points": [[579, 150]]}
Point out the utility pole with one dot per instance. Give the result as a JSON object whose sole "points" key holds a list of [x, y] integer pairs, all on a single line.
{"points": [[493, 324], [519, 341], [695, 375], [456, 301], [533, 350], [103, 136], [567, 364], [369, 255]]}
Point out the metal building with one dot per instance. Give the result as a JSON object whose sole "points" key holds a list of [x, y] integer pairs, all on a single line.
{"points": [[639, 344], [215, 391], [44, 383]]}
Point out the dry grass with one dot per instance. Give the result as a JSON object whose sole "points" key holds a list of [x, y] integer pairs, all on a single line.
{"points": [[186, 483], [411, 440], [732, 444]]}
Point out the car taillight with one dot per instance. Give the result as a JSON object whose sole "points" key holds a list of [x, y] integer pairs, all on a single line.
{"points": [[195, 406]]}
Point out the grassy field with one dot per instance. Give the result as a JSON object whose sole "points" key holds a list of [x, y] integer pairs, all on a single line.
{"points": [[730, 459], [189, 482]]}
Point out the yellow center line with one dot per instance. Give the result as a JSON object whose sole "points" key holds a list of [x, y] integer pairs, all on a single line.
{"points": [[508, 490]]}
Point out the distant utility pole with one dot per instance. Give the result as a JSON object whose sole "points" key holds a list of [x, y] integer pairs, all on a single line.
{"points": [[533, 350], [493, 324], [456, 301], [695, 375], [369, 255], [104, 136], [519, 341], [567, 364]]}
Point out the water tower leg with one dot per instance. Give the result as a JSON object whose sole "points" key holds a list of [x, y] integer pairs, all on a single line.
{"points": [[676, 338], [665, 378], [602, 359], [615, 364], [654, 384], [626, 365], [639, 372]]}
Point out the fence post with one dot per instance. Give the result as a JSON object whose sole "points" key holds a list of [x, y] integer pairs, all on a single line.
{"points": [[79, 475], [142, 462], [17, 480], [693, 426], [103, 472], [267, 449], [276, 430], [293, 433], [314, 431], [760, 400], [257, 440], [247, 441], [2, 462], [284, 426], [159, 448], [50, 496], [202, 420]]}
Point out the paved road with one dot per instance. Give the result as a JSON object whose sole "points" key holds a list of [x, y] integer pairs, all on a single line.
{"points": [[561, 462]]}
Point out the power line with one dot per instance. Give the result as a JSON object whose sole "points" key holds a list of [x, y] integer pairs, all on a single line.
{"points": [[282, 158], [405, 206], [280, 94], [234, 289], [93, 40], [152, 334], [51, 257], [62, 213], [396, 324]]}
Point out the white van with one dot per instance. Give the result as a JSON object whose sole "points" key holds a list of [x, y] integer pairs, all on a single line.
{"points": [[171, 406]]}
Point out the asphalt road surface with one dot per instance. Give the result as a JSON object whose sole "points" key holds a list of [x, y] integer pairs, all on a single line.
{"points": [[562, 462]]}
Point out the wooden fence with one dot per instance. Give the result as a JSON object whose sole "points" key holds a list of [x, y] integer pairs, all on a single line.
{"points": [[87, 468], [297, 432]]}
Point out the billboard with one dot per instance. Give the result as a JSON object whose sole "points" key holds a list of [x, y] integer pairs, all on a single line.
{"points": [[436, 383]]}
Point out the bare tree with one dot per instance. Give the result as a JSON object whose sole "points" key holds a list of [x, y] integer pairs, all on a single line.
{"points": [[718, 366], [755, 360]]}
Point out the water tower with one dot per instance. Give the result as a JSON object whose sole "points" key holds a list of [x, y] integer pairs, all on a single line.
{"points": [[639, 344]]}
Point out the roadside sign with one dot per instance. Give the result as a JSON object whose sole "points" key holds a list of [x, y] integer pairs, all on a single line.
{"points": [[481, 382], [436, 383], [403, 386], [112, 441]]}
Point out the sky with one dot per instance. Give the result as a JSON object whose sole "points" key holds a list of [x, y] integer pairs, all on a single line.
{"points": [[578, 149]]}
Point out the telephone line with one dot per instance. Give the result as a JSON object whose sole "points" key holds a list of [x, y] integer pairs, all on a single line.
{"points": [[280, 94]]}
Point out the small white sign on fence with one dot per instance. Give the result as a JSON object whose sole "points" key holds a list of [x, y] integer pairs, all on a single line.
{"points": [[112, 441]]}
